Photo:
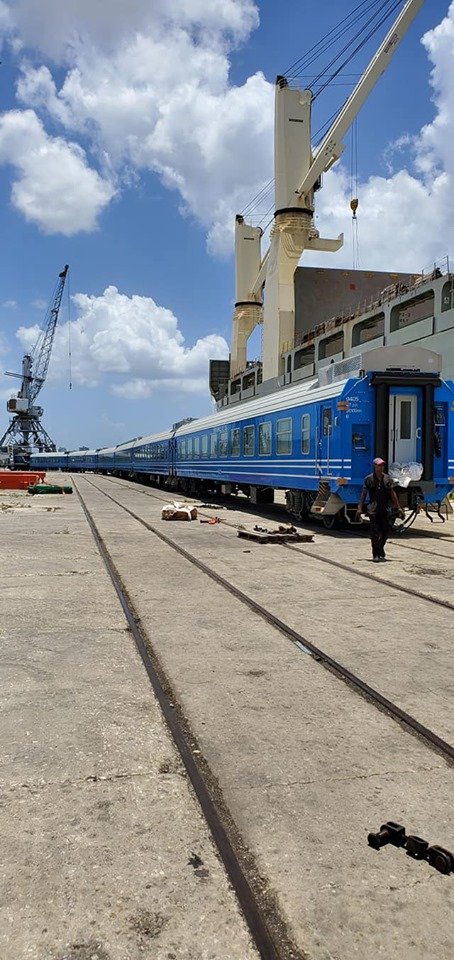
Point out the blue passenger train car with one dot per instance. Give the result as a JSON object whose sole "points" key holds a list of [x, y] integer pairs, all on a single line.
{"points": [[49, 461], [315, 439]]}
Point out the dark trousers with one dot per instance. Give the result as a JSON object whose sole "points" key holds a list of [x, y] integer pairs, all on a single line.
{"points": [[379, 532]]}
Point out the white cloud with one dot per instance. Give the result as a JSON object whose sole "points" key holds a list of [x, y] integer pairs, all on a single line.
{"points": [[58, 30], [132, 343], [9, 304], [148, 88], [54, 187], [5, 19]]}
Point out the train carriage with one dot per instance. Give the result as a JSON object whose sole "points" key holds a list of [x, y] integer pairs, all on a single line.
{"points": [[82, 460], [49, 461], [152, 456], [315, 439]]}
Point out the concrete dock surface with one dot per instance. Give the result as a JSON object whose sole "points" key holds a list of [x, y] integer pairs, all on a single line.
{"points": [[99, 821], [105, 853]]}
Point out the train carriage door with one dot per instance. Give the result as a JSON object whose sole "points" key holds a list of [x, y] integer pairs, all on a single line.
{"points": [[172, 456], [325, 435], [405, 411]]}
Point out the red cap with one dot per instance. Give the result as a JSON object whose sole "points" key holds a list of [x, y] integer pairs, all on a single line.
{"points": [[378, 460]]}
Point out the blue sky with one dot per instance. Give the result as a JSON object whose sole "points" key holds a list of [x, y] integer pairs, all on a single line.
{"points": [[127, 144]]}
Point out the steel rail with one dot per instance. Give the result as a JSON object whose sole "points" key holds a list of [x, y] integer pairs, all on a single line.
{"points": [[338, 669], [260, 932], [411, 591], [295, 548]]}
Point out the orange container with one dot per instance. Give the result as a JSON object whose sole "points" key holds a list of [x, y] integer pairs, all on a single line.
{"points": [[20, 479]]}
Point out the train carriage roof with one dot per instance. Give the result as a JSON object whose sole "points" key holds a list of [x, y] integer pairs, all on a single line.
{"points": [[53, 454], [153, 438], [78, 454], [308, 392]]}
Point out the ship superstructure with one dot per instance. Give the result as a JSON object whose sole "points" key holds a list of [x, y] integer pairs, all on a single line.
{"points": [[410, 309]]}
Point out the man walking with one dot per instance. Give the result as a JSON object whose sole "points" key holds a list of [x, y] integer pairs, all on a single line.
{"points": [[378, 486]]}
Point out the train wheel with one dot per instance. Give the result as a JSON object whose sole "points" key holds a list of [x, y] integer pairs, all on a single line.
{"points": [[308, 500], [332, 523]]}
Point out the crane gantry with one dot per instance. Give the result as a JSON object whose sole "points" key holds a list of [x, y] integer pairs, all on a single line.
{"points": [[298, 173], [25, 430]]}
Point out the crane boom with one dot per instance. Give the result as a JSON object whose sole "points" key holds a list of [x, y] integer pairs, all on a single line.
{"points": [[26, 429], [331, 147], [43, 348]]}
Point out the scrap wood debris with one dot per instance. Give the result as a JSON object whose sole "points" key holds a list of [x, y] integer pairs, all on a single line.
{"points": [[283, 534]]}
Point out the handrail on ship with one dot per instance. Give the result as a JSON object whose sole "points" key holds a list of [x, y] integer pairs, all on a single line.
{"points": [[391, 292]]}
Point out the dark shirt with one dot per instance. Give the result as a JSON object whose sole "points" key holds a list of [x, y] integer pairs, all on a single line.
{"points": [[378, 489]]}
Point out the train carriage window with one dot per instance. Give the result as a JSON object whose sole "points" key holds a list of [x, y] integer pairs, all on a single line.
{"points": [[223, 443], [405, 419], [235, 442], [249, 441], [189, 448], [182, 449], [284, 436], [213, 445], [306, 433], [265, 439], [196, 448], [327, 421], [204, 445]]}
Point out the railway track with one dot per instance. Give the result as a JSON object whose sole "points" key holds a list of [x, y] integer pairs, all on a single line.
{"points": [[410, 591], [355, 682], [266, 927]]}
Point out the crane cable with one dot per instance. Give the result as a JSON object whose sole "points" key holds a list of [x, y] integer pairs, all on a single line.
{"points": [[384, 15], [330, 38], [354, 192], [382, 9]]}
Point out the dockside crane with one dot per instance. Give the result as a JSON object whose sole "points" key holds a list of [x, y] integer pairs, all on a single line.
{"points": [[298, 173], [25, 430]]}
